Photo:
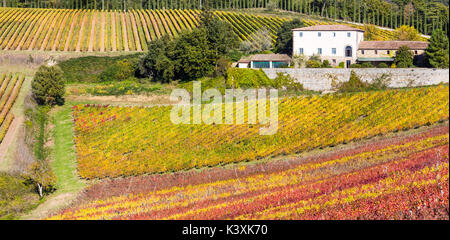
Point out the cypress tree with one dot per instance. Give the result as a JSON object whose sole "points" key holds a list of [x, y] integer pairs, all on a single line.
{"points": [[437, 50], [404, 57]]}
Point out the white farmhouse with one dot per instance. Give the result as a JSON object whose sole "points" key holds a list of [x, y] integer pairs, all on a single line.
{"points": [[335, 43]]}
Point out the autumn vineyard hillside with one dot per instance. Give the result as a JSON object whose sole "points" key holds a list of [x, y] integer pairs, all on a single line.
{"points": [[10, 85], [404, 177], [127, 141], [177, 113], [105, 31]]}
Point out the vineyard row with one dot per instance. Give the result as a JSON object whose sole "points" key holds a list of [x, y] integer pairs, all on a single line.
{"points": [[111, 31], [10, 85], [103, 31]]}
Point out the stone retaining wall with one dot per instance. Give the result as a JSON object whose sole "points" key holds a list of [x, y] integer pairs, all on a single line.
{"points": [[320, 79]]}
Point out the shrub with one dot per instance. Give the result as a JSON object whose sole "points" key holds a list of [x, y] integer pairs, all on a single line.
{"points": [[119, 71], [341, 65], [222, 66], [382, 65], [315, 57], [48, 86], [246, 78], [380, 83], [326, 64], [286, 81], [367, 65], [355, 65], [313, 64], [88, 69], [298, 60], [355, 84], [402, 65], [251, 78]]}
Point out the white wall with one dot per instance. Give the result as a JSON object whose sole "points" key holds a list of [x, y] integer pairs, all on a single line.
{"points": [[243, 65], [310, 42]]}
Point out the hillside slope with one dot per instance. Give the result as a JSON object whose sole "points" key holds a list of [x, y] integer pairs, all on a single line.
{"points": [[129, 31]]}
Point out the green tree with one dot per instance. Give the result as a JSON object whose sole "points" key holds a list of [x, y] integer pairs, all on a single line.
{"points": [[404, 57], [220, 34], [193, 56], [437, 51], [41, 175], [48, 85], [157, 63], [284, 43]]}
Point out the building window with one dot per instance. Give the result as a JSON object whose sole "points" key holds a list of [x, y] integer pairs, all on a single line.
{"points": [[348, 51], [319, 34], [280, 64], [319, 51], [300, 51], [334, 61], [376, 51], [362, 51], [415, 52], [301, 34], [333, 51], [334, 34], [349, 34], [388, 52], [261, 64]]}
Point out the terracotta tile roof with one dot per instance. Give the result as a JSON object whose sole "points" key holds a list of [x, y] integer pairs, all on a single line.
{"points": [[266, 57], [392, 45], [244, 60], [335, 27]]}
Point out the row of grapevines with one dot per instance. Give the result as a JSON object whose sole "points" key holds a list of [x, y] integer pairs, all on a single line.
{"points": [[116, 141], [92, 30], [10, 85], [386, 179]]}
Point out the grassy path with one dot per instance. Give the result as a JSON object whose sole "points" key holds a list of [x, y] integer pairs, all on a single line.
{"points": [[68, 184], [64, 156]]}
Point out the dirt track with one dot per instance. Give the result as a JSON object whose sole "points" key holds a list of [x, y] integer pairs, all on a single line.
{"points": [[9, 137]]}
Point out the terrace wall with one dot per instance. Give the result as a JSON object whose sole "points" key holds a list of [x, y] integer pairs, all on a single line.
{"points": [[320, 79]]}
